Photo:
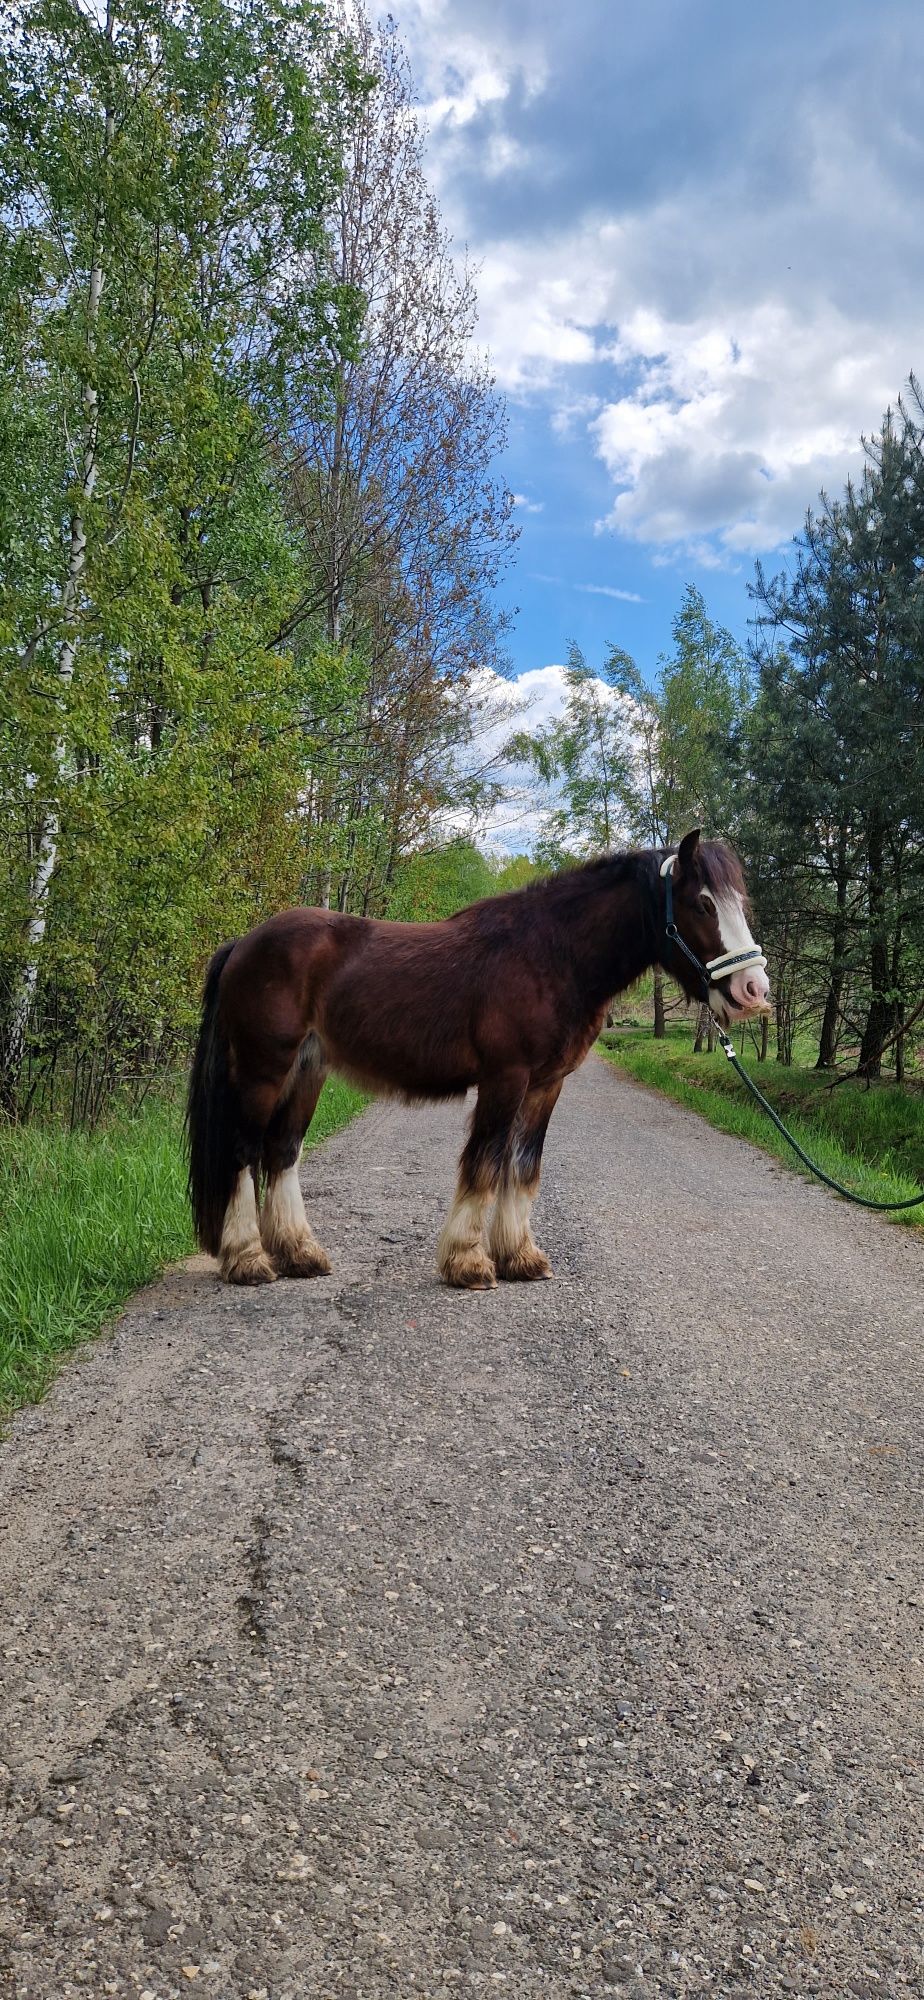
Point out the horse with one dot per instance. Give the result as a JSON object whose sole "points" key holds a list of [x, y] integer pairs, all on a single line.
{"points": [[505, 997]]}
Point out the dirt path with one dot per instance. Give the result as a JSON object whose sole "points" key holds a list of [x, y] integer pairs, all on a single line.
{"points": [[364, 1639]]}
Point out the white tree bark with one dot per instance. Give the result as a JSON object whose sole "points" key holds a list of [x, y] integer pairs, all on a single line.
{"points": [[46, 844]]}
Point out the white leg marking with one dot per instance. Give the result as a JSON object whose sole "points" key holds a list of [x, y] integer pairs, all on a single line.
{"points": [[460, 1253], [510, 1221], [241, 1256], [287, 1233], [512, 1246], [284, 1219]]}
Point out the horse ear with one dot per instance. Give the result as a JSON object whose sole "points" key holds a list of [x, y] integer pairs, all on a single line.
{"points": [[686, 852]]}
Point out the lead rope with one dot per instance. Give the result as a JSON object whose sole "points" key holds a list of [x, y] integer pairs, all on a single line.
{"points": [[861, 1200]]}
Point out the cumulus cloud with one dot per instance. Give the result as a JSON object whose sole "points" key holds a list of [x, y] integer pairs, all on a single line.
{"points": [[731, 430], [695, 247], [466, 67], [537, 316], [718, 427], [531, 702]]}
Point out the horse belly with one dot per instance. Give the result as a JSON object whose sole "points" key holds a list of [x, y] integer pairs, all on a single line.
{"points": [[395, 1045], [387, 1069]]}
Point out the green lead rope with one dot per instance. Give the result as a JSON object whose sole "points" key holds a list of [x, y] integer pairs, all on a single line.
{"points": [[914, 1201]]}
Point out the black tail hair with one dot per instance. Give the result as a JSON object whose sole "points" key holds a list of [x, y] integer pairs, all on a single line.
{"points": [[211, 1117]]}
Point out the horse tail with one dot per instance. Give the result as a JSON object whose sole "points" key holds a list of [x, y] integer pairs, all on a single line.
{"points": [[211, 1117]]}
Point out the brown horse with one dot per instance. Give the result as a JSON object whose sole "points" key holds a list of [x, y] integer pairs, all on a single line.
{"points": [[506, 997]]}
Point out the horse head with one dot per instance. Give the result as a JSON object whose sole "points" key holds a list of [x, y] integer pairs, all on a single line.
{"points": [[711, 943]]}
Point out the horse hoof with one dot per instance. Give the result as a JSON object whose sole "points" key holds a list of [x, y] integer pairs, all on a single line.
{"points": [[473, 1274], [302, 1262], [250, 1267], [524, 1266]]}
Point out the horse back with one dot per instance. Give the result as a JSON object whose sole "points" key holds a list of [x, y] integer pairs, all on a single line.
{"points": [[422, 1010]]}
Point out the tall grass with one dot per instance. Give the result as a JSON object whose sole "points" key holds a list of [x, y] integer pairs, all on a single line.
{"points": [[871, 1140], [85, 1218]]}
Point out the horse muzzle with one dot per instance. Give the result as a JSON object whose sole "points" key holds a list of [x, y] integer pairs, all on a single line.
{"points": [[742, 995]]}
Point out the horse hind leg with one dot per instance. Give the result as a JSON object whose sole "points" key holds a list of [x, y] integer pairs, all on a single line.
{"points": [[461, 1255], [515, 1252], [241, 1257], [287, 1237]]}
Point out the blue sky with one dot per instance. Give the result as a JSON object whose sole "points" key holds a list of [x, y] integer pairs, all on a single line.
{"points": [[697, 225]]}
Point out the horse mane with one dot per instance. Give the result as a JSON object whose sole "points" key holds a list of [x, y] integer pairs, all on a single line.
{"points": [[569, 888], [565, 892]]}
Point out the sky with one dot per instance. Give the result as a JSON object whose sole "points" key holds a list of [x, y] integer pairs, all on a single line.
{"points": [[697, 231]]}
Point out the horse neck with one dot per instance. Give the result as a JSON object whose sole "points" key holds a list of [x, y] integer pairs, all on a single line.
{"points": [[613, 936]]}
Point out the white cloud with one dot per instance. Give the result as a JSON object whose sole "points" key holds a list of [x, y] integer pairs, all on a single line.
{"points": [[459, 70], [590, 589], [734, 426], [536, 317], [526, 505], [609, 590], [725, 422], [747, 299], [572, 412], [530, 702]]}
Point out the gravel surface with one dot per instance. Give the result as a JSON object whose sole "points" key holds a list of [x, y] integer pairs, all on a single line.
{"points": [[363, 1638]]}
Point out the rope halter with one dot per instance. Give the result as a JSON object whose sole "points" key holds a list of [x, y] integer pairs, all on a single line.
{"points": [[714, 968]]}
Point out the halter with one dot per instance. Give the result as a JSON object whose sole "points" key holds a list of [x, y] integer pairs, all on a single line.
{"points": [[714, 968], [721, 966]]}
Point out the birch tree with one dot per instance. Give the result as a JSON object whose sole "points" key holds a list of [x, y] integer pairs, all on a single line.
{"points": [[405, 527], [163, 182], [584, 758]]}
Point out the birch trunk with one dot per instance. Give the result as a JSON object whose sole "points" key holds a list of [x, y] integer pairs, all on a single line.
{"points": [[48, 833]]}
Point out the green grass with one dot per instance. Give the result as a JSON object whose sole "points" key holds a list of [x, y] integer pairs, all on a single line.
{"points": [[85, 1218], [871, 1140]]}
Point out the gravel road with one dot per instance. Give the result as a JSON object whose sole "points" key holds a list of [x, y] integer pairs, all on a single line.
{"points": [[361, 1638]]}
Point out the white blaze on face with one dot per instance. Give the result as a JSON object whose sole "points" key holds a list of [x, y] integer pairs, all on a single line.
{"points": [[749, 985]]}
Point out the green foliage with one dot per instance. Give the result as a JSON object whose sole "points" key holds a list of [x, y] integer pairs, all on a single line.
{"points": [[87, 1218], [440, 880], [703, 693], [189, 738], [165, 177], [630, 762], [437, 881], [836, 745], [516, 873], [679, 773]]}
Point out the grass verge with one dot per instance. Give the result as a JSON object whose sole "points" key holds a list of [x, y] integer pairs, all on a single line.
{"points": [[871, 1140], [85, 1218]]}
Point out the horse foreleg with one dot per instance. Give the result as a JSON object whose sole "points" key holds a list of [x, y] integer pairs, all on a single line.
{"points": [[288, 1237], [461, 1256], [515, 1253]]}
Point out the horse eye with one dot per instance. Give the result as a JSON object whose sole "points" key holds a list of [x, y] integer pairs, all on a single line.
{"points": [[708, 904]]}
